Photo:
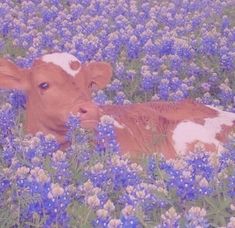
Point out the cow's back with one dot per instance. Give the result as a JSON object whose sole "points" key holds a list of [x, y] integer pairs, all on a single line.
{"points": [[170, 127]]}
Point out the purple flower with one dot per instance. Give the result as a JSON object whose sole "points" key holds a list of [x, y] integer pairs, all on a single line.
{"points": [[130, 222], [166, 47], [227, 62], [120, 98], [106, 138], [209, 45], [196, 217], [100, 97], [17, 99]]}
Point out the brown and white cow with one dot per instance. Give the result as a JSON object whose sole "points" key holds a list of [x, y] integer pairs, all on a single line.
{"points": [[58, 84]]}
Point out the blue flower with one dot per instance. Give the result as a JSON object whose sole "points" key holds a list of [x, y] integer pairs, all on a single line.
{"points": [[196, 217], [100, 98], [231, 185], [5, 184], [227, 62], [48, 16], [130, 222], [166, 47], [17, 99], [209, 45], [72, 124], [106, 138], [152, 167]]}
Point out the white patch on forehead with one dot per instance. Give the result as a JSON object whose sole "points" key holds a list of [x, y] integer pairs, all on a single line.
{"points": [[62, 60], [188, 131]]}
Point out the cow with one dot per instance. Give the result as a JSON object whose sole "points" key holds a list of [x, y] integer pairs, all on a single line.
{"points": [[58, 84]]}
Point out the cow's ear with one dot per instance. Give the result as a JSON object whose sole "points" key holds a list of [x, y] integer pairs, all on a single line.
{"points": [[11, 76], [100, 74]]}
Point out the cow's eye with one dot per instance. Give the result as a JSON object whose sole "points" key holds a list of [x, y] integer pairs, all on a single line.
{"points": [[43, 85]]}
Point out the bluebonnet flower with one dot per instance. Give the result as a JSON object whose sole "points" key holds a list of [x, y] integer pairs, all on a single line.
{"points": [[61, 167], [183, 51], [227, 62], [133, 48], [185, 89], [5, 184], [196, 217], [72, 124], [98, 175], [48, 16], [106, 138], [170, 219], [7, 121], [102, 219], [175, 62], [152, 167], [54, 2], [46, 41], [48, 198], [226, 94], [115, 86], [120, 98], [80, 141], [5, 29], [144, 195], [130, 221], [166, 47], [225, 23], [111, 52], [148, 81], [47, 145], [153, 62], [2, 46], [209, 45], [184, 185], [200, 165], [175, 83], [115, 223], [17, 99], [196, 22], [231, 184], [163, 89], [207, 98], [149, 47], [100, 97], [128, 218], [121, 177], [129, 75]]}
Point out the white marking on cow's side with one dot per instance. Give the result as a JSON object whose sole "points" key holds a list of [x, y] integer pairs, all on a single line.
{"points": [[188, 131], [62, 60]]}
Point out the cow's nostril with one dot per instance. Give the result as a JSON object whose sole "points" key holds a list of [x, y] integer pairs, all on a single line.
{"points": [[82, 110]]}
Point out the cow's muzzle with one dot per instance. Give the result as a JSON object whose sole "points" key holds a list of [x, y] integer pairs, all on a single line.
{"points": [[89, 114]]}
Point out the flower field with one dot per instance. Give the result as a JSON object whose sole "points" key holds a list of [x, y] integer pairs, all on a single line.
{"points": [[159, 50]]}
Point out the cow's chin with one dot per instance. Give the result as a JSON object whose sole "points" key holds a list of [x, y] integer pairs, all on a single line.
{"points": [[89, 124]]}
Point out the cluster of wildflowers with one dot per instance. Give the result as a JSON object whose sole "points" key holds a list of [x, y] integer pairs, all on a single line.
{"points": [[35, 188], [113, 190], [169, 51], [100, 97], [196, 217], [106, 138], [173, 35]]}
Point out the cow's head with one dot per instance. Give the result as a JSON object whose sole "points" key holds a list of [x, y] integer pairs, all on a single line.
{"points": [[56, 85]]}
